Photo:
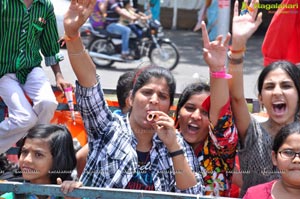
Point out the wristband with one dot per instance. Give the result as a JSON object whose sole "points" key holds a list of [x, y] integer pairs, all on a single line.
{"points": [[220, 74], [67, 38], [234, 61], [237, 51], [176, 153]]}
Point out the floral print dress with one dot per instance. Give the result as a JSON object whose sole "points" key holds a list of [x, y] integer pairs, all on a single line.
{"points": [[217, 154]]}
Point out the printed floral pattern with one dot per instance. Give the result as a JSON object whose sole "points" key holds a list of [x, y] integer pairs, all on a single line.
{"points": [[217, 157]]}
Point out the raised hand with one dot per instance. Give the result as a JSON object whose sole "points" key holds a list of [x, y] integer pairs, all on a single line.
{"points": [[214, 52], [79, 11], [244, 25]]}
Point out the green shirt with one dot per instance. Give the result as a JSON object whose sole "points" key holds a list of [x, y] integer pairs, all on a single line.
{"points": [[24, 33]]}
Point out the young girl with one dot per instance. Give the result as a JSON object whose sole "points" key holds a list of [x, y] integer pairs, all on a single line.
{"points": [[132, 153], [278, 91], [214, 139], [205, 120], [47, 156], [286, 156]]}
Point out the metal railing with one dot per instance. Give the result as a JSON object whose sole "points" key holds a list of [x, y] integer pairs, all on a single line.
{"points": [[91, 192], [94, 193]]}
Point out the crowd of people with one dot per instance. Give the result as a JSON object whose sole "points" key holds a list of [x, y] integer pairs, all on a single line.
{"points": [[140, 146]]}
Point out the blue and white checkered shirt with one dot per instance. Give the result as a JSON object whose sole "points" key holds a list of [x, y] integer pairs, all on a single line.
{"points": [[112, 158]]}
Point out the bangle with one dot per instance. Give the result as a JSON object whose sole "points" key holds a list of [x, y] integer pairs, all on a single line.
{"points": [[237, 51], [67, 38], [78, 54], [220, 74], [176, 153], [235, 61]]}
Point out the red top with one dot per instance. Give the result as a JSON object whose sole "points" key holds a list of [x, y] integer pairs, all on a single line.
{"points": [[282, 40], [260, 191]]}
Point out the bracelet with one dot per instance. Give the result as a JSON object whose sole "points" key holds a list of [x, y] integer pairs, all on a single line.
{"points": [[220, 74], [79, 53], [67, 38], [237, 51], [235, 61], [176, 153]]}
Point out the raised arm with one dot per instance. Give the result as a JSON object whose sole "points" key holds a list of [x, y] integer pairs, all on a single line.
{"points": [[243, 26], [214, 54], [83, 66]]}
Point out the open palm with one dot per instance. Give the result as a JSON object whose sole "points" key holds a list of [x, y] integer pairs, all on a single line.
{"points": [[78, 12], [243, 26]]}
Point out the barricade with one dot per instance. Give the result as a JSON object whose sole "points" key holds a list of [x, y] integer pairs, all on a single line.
{"points": [[62, 114], [94, 193]]}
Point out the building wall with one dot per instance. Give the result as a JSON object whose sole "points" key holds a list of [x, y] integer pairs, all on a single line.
{"points": [[187, 13]]}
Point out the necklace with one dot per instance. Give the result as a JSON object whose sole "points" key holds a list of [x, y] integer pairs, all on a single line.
{"points": [[143, 157]]}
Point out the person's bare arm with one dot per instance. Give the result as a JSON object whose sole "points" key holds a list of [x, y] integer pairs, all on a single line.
{"points": [[214, 54], [81, 156], [82, 65], [61, 83], [164, 126], [103, 7], [242, 29]]}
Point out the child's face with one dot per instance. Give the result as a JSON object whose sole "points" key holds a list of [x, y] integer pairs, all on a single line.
{"points": [[35, 161], [193, 120], [289, 166]]}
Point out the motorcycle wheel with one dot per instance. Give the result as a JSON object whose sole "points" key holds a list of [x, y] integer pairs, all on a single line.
{"points": [[101, 46], [167, 56]]}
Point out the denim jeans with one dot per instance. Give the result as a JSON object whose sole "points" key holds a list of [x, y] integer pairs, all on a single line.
{"points": [[122, 30]]}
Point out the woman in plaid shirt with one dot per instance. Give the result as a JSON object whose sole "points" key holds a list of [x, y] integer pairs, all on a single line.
{"points": [[130, 152]]}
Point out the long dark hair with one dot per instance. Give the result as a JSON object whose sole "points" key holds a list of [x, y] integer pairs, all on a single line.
{"points": [[291, 69], [191, 89], [124, 86], [283, 133], [61, 147]]}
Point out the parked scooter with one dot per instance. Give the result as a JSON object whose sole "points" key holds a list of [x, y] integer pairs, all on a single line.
{"points": [[105, 48]]}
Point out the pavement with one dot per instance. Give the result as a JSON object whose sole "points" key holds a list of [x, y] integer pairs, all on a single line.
{"points": [[190, 46], [190, 43]]}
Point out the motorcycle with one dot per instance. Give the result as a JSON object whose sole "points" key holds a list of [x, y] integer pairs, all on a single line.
{"points": [[105, 48]]}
